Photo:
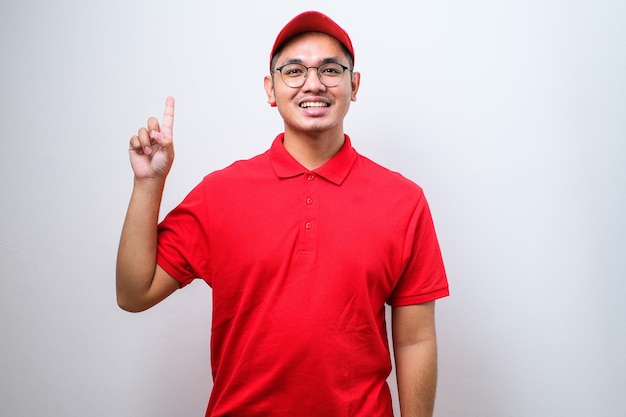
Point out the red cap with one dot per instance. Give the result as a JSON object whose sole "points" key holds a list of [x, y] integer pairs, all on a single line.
{"points": [[312, 22]]}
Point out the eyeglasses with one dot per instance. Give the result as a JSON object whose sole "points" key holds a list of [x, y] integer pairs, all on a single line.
{"points": [[295, 75]]}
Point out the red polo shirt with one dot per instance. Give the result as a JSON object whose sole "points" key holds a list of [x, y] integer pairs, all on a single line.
{"points": [[301, 264]]}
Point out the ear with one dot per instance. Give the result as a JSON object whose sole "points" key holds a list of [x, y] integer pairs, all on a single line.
{"points": [[356, 82], [268, 83]]}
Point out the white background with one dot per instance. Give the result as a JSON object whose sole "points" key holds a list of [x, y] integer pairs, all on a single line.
{"points": [[511, 115]]}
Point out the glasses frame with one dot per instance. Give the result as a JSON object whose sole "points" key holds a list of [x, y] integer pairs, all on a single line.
{"points": [[317, 70]]}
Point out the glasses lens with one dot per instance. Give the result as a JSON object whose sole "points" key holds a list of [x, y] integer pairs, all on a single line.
{"points": [[330, 74], [293, 75]]}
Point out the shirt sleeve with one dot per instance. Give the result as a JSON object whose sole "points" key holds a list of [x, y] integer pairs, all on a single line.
{"points": [[424, 277], [183, 245]]}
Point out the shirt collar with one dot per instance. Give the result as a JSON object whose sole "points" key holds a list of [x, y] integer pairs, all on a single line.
{"points": [[336, 170]]}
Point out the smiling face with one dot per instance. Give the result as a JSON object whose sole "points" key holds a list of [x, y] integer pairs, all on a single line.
{"points": [[313, 110]]}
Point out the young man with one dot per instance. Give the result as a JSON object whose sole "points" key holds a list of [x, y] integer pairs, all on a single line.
{"points": [[302, 245]]}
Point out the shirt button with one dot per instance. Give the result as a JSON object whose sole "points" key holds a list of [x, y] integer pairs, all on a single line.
{"points": [[308, 225], [309, 200], [310, 177]]}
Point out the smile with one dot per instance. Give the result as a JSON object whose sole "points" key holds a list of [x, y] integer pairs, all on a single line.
{"points": [[310, 104]]}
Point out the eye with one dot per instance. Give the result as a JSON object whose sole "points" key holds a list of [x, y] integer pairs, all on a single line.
{"points": [[331, 70], [293, 70]]}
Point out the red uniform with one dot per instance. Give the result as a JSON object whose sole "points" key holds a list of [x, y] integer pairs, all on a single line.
{"points": [[301, 264]]}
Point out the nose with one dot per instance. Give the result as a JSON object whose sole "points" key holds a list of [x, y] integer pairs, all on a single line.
{"points": [[312, 80]]}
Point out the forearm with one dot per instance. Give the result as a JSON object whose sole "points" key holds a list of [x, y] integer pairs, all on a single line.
{"points": [[136, 258], [416, 371]]}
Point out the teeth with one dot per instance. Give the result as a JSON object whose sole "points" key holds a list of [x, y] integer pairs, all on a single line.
{"points": [[313, 104]]}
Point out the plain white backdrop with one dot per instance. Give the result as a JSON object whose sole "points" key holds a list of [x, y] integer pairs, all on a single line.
{"points": [[511, 115]]}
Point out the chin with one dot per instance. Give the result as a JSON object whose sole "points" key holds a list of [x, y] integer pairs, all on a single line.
{"points": [[316, 126]]}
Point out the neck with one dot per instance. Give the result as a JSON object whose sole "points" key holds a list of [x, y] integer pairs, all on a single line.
{"points": [[313, 151]]}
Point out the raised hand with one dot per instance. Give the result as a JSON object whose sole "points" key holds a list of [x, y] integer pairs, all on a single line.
{"points": [[152, 148], [140, 282]]}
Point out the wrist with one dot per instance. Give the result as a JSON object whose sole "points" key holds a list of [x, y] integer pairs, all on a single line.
{"points": [[149, 186]]}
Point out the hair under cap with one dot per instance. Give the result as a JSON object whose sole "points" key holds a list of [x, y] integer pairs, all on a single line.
{"points": [[311, 22]]}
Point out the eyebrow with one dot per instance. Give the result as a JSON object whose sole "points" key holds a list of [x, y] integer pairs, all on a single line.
{"points": [[334, 60]]}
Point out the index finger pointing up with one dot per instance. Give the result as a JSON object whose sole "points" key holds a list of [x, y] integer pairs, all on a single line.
{"points": [[167, 126]]}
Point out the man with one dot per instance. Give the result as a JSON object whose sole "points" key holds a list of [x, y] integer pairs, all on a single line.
{"points": [[302, 245]]}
